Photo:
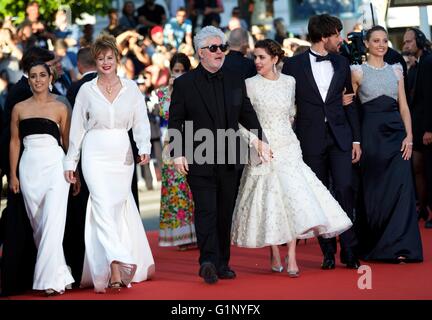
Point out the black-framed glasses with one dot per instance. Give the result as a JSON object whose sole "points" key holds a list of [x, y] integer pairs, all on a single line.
{"points": [[213, 48]]}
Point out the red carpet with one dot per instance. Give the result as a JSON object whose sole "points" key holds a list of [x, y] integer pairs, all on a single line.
{"points": [[176, 278]]}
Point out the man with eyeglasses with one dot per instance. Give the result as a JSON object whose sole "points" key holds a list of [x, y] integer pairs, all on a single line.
{"points": [[213, 101]]}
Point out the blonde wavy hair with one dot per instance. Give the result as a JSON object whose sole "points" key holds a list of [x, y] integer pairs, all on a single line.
{"points": [[104, 43]]}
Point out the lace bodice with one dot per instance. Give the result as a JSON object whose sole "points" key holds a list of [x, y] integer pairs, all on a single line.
{"points": [[376, 82], [273, 102]]}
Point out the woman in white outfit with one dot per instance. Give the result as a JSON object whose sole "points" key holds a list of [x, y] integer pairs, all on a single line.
{"points": [[42, 122], [282, 200], [117, 250]]}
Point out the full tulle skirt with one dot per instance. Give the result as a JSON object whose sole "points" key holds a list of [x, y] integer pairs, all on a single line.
{"points": [[283, 200]]}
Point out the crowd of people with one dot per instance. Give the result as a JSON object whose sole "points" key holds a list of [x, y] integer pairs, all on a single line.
{"points": [[333, 149]]}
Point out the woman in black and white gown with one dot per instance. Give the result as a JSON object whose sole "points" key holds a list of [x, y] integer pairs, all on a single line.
{"points": [[117, 250], [42, 122]]}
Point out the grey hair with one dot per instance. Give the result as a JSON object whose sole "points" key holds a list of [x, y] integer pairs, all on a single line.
{"points": [[238, 37], [207, 32]]}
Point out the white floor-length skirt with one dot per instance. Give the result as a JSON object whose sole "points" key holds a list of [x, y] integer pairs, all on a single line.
{"points": [[45, 192], [114, 231]]}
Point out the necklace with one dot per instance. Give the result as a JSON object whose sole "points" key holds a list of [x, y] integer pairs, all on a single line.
{"points": [[376, 68], [109, 88]]}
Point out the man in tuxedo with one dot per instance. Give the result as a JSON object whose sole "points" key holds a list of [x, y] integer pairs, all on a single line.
{"points": [[235, 60], [419, 98], [329, 133], [87, 68], [211, 100], [73, 242]]}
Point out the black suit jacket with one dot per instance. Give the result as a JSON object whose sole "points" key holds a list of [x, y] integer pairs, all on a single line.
{"points": [[420, 100], [20, 91], [312, 110], [236, 62], [192, 100], [75, 86]]}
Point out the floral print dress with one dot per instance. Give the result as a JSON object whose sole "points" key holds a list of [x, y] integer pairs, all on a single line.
{"points": [[176, 224]]}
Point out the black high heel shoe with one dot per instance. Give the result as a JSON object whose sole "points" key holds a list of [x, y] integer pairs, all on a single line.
{"points": [[423, 213]]}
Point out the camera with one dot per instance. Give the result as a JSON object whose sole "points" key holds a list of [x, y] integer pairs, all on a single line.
{"points": [[354, 49], [140, 40]]}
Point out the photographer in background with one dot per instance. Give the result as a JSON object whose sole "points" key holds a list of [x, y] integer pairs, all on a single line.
{"points": [[355, 50], [10, 55], [419, 100]]}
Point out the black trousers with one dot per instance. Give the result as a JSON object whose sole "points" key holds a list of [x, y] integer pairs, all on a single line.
{"points": [[214, 198], [427, 152], [334, 165], [73, 241]]}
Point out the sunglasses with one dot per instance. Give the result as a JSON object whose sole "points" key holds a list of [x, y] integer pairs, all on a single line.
{"points": [[213, 48]]}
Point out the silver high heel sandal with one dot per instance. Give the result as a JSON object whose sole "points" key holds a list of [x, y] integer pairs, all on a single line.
{"points": [[292, 273], [275, 268]]}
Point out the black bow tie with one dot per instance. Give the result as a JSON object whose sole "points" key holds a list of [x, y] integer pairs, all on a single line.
{"points": [[216, 75], [320, 58]]}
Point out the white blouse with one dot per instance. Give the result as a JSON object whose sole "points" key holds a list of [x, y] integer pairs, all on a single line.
{"points": [[93, 111]]}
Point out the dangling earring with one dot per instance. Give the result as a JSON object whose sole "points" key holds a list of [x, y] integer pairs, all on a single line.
{"points": [[50, 87], [274, 68]]}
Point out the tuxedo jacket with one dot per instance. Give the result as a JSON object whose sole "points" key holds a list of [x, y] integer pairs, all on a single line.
{"points": [[313, 112], [420, 99], [236, 62], [193, 100], [76, 85]]}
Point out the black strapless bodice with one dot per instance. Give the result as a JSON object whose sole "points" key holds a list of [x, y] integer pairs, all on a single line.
{"points": [[31, 126]]}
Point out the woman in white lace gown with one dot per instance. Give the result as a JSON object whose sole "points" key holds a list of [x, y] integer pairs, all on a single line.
{"points": [[283, 200], [117, 250]]}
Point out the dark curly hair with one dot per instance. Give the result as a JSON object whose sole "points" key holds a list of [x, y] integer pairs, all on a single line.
{"points": [[323, 26], [273, 48]]}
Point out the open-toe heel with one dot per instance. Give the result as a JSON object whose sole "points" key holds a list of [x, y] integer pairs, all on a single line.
{"points": [[292, 273], [274, 268], [116, 286]]}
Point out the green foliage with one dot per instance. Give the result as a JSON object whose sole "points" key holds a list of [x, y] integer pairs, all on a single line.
{"points": [[48, 8]]}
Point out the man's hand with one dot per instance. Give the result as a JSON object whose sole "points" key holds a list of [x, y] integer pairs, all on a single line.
{"points": [[356, 152], [347, 98], [427, 138], [181, 165], [264, 152]]}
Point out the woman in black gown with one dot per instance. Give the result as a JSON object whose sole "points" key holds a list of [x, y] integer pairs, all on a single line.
{"points": [[388, 229]]}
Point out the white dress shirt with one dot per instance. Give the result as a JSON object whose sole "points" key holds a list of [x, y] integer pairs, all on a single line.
{"points": [[323, 73], [93, 111]]}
